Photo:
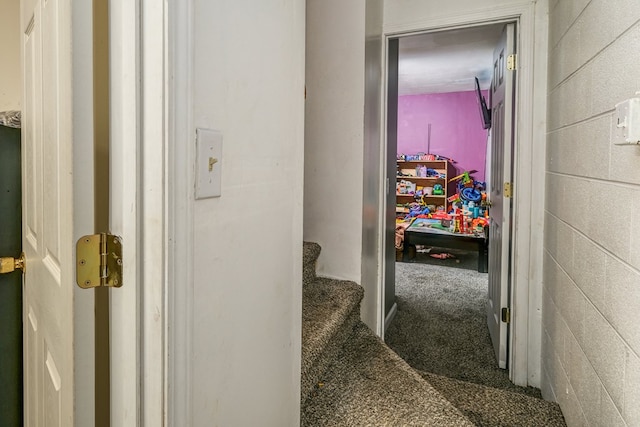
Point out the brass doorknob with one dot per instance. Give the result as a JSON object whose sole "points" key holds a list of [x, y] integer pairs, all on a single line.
{"points": [[9, 264]]}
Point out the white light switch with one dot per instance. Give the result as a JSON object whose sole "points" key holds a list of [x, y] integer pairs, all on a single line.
{"points": [[208, 163], [627, 122]]}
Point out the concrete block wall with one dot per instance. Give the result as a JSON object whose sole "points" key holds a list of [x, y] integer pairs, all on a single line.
{"points": [[591, 292]]}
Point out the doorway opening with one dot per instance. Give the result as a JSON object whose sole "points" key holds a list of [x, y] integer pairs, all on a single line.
{"points": [[450, 135]]}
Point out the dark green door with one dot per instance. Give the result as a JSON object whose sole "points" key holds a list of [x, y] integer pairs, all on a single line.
{"points": [[10, 284]]}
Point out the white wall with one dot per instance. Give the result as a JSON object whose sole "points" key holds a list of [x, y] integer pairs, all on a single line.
{"points": [[10, 68], [340, 140], [248, 82], [334, 134], [591, 339]]}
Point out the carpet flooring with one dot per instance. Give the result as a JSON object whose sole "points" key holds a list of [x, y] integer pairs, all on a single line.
{"points": [[369, 385], [491, 407], [361, 381], [441, 327]]}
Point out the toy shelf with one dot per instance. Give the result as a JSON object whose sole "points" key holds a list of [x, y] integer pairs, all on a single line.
{"points": [[426, 197], [408, 172], [420, 178]]}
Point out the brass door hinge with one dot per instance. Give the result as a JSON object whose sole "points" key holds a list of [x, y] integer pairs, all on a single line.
{"points": [[506, 314], [99, 261], [512, 62], [506, 190]]}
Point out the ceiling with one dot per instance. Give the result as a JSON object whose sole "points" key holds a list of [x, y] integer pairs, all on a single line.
{"points": [[447, 61]]}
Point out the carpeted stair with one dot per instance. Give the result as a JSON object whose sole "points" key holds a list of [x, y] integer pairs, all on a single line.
{"points": [[330, 309], [492, 407], [351, 378], [369, 385]]}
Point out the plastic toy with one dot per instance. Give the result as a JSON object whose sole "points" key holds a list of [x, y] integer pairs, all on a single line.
{"points": [[438, 190], [468, 188]]}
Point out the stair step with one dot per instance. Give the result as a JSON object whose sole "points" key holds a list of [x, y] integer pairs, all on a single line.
{"points": [[492, 407], [330, 309], [310, 254], [369, 384]]}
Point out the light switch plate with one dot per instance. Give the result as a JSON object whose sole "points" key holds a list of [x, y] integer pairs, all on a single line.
{"points": [[627, 122], [208, 163]]}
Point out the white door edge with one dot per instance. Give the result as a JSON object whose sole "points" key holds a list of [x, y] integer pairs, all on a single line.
{"points": [[152, 200], [138, 212], [124, 211], [83, 155], [528, 172]]}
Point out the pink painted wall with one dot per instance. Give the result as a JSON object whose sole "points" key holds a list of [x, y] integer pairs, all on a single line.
{"points": [[456, 128]]}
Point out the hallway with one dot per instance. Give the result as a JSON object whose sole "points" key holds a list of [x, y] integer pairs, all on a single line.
{"points": [[351, 378]]}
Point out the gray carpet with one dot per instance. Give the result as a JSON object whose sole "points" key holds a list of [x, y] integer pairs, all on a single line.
{"points": [[330, 309], [351, 378], [441, 323], [369, 385], [490, 407]]}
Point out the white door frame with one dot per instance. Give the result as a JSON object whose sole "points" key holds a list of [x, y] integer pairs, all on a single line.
{"points": [[155, 128], [180, 193], [139, 210], [181, 155], [529, 164]]}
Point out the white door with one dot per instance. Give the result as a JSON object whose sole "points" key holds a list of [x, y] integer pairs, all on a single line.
{"points": [[57, 208], [502, 104]]}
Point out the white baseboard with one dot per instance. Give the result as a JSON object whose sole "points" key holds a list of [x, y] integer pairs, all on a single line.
{"points": [[390, 316]]}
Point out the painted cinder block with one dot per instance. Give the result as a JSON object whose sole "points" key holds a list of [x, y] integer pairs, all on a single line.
{"points": [[612, 236], [554, 193], [625, 162], [606, 352], [589, 269], [591, 69], [564, 13], [616, 73], [634, 238], [559, 242], [589, 388], [631, 411], [578, 213], [622, 301], [570, 303], [552, 326], [609, 413]]}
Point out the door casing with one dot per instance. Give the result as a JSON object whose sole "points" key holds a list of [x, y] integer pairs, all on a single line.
{"points": [[528, 172], [138, 173]]}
